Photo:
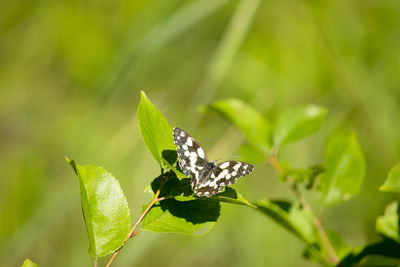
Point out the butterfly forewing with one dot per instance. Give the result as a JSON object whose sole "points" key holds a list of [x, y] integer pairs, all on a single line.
{"points": [[207, 178], [192, 156]]}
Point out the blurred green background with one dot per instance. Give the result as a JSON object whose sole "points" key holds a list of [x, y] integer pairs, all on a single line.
{"points": [[70, 77]]}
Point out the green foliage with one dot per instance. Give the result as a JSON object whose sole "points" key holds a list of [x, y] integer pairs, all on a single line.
{"points": [[157, 134], [155, 130], [195, 217], [297, 123], [344, 168], [392, 183], [29, 263], [68, 82], [338, 244], [292, 217], [316, 251], [176, 209], [182, 211], [105, 209], [388, 223], [377, 260], [308, 176], [384, 253], [250, 121]]}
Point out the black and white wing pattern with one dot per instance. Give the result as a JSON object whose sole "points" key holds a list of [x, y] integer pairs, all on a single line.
{"points": [[193, 159], [221, 175], [207, 177]]}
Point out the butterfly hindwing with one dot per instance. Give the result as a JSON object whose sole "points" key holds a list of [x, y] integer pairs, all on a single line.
{"points": [[224, 174]]}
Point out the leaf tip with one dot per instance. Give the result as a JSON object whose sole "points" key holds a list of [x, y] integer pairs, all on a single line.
{"points": [[72, 163], [68, 160]]}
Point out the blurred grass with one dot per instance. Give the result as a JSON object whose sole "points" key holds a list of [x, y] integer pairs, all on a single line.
{"points": [[70, 76]]}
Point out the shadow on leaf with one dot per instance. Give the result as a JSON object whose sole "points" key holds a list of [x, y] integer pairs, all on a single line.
{"points": [[170, 156], [194, 211], [386, 249], [173, 186]]}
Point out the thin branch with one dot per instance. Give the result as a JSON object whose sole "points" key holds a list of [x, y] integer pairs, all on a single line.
{"points": [[163, 198], [95, 262], [132, 233], [273, 161]]}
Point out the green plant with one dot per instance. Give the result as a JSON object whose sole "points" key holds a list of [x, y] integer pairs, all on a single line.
{"points": [[175, 209]]}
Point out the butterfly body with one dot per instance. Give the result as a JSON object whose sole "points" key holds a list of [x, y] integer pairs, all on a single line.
{"points": [[207, 177]]}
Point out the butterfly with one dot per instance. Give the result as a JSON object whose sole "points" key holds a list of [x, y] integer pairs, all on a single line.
{"points": [[207, 177]]}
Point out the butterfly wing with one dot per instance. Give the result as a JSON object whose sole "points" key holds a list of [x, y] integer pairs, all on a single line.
{"points": [[193, 159], [224, 174]]}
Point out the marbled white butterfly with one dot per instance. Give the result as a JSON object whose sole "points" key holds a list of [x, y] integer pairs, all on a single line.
{"points": [[207, 177]]}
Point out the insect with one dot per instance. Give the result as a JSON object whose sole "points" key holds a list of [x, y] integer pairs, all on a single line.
{"points": [[207, 177]]}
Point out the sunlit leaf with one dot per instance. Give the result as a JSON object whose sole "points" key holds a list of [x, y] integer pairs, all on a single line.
{"points": [[181, 190], [29, 263], [392, 183], [155, 130], [297, 123], [388, 223], [105, 209], [182, 211], [194, 217], [157, 134], [250, 121], [344, 169], [229, 195], [292, 217]]}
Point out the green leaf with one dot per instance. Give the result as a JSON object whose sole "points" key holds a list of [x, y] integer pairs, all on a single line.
{"points": [[155, 130], [292, 217], [29, 263], [182, 191], [250, 121], [318, 252], [339, 246], [388, 223], [344, 169], [308, 176], [157, 135], [378, 261], [229, 195], [392, 183], [105, 209], [194, 217], [384, 253], [298, 123], [182, 211]]}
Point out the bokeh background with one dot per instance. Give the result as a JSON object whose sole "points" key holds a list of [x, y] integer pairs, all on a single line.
{"points": [[70, 77]]}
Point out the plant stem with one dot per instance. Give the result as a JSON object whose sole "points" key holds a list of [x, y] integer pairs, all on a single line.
{"points": [[95, 262], [132, 233], [273, 161]]}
